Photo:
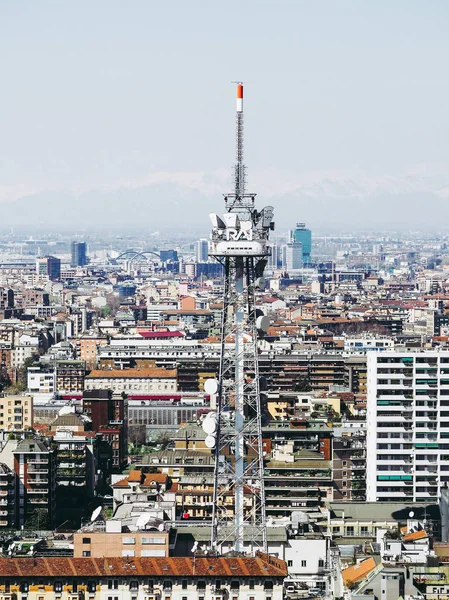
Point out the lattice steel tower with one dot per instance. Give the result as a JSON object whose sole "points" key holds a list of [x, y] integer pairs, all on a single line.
{"points": [[240, 243]]}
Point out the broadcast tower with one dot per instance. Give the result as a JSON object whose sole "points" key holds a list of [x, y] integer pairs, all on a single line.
{"points": [[240, 244]]}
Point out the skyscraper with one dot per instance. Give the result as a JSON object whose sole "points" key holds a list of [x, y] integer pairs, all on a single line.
{"points": [[293, 256], [201, 251], [79, 258], [302, 236]]}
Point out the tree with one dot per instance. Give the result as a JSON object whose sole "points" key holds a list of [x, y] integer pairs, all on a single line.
{"points": [[302, 385], [37, 520], [22, 382]]}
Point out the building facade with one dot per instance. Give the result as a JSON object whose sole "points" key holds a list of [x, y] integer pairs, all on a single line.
{"points": [[407, 426], [50, 266], [16, 413], [34, 465], [79, 254], [195, 578], [303, 236]]}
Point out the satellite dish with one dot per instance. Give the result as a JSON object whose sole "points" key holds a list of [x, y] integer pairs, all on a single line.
{"points": [[161, 527], [411, 514], [143, 520], [210, 441], [209, 425], [95, 514], [263, 323], [211, 386]]}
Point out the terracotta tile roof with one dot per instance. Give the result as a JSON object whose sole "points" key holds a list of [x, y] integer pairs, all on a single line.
{"points": [[262, 566], [358, 572], [132, 373], [415, 535], [135, 476]]}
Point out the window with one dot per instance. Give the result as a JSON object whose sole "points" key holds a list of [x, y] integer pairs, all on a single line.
{"points": [[133, 585], [350, 530], [251, 584], [184, 584], [321, 563], [86, 540], [58, 586], [74, 586], [86, 552], [129, 540], [289, 563], [303, 563], [91, 587]]}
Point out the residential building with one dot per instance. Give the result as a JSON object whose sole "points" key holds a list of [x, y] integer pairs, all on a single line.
{"points": [[407, 425], [192, 577], [34, 465], [349, 466], [140, 486], [7, 497], [117, 540], [35, 296], [6, 298], [64, 376], [50, 266], [109, 418], [137, 381], [16, 413], [75, 454]]}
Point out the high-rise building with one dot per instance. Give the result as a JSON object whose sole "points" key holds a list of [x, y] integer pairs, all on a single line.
{"points": [[201, 251], [79, 254], [275, 258], [49, 265], [303, 236], [293, 256], [34, 465], [407, 426]]}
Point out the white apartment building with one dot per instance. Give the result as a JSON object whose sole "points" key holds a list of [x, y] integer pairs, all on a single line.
{"points": [[407, 426]]}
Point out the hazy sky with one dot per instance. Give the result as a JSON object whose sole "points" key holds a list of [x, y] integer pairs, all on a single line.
{"points": [[107, 94]]}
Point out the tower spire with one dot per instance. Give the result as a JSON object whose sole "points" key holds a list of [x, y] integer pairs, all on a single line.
{"points": [[239, 171]]}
